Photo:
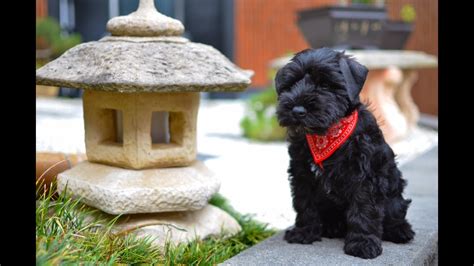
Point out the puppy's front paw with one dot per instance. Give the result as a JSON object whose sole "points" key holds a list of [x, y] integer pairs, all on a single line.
{"points": [[363, 246], [303, 235]]}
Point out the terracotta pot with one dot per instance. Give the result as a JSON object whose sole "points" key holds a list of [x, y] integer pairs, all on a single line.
{"points": [[49, 165]]}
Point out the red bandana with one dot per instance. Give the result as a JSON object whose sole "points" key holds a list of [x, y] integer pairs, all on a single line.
{"points": [[324, 146]]}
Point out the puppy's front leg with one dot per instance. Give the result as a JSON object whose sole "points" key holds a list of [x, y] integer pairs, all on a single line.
{"points": [[307, 227], [364, 224]]}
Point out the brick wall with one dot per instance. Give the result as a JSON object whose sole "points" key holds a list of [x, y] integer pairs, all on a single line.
{"points": [[41, 8], [266, 29]]}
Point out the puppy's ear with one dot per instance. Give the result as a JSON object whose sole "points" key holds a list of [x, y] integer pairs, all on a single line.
{"points": [[354, 75], [279, 81]]}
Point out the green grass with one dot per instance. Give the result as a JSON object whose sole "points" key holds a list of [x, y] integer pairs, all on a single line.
{"points": [[65, 235]]}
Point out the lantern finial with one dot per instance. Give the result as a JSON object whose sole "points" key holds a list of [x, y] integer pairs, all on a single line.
{"points": [[145, 22]]}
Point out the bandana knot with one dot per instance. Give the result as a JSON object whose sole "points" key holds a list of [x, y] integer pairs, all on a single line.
{"points": [[323, 146]]}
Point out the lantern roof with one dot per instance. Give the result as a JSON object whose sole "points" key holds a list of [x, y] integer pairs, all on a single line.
{"points": [[145, 53]]}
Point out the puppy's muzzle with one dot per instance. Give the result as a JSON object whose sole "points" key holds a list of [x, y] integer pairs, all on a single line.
{"points": [[299, 111]]}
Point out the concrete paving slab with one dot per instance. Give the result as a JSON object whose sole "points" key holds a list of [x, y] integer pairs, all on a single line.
{"points": [[423, 215]]}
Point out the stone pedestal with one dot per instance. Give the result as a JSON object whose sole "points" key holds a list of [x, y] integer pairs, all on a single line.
{"points": [[178, 227], [170, 227], [379, 94], [388, 94]]}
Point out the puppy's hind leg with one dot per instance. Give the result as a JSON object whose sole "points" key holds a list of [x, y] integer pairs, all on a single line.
{"points": [[395, 226]]}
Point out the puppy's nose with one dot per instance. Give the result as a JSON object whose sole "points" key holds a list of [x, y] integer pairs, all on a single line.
{"points": [[299, 111]]}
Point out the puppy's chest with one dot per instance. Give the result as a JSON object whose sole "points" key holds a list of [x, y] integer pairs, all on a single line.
{"points": [[316, 170], [327, 185], [321, 178]]}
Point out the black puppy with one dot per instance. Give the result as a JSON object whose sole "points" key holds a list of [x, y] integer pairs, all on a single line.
{"points": [[343, 175]]}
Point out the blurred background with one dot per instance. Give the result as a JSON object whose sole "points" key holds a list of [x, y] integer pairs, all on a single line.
{"points": [[241, 128], [251, 33]]}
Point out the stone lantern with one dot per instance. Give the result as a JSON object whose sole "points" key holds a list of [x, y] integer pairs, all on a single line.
{"points": [[141, 99]]}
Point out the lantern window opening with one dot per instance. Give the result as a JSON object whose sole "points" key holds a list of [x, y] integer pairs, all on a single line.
{"points": [[112, 130], [167, 129], [160, 130]]}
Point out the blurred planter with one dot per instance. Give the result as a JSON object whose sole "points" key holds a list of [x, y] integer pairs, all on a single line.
{"points": [[358, 26], [260, 122], [395, 35], [354, 26]]}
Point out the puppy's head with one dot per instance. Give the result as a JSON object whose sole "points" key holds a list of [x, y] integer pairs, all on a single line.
{"points": [[317, 88]]}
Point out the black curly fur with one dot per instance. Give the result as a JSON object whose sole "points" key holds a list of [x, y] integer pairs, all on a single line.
{"points": [[358, 193]]}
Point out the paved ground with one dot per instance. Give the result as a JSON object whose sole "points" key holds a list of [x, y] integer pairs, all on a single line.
{"points": [[422, 175], [253, 174]]}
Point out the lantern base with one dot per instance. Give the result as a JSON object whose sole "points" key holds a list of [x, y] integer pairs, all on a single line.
{"points": [[175, 227], [116, 190]]}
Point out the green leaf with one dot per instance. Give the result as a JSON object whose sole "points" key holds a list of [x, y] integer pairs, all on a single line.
{"points": [[408, 13]]}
